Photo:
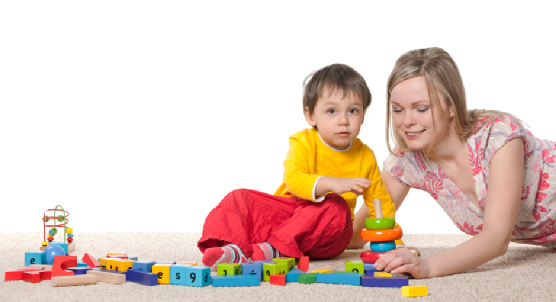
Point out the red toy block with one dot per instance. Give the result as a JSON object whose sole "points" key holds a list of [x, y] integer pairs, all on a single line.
{"points": [[278, 279], [61, 263], [16, 275], [303, 263], [31, 276], [46, 275], [30, 268], [116, 256], [91, 262]]}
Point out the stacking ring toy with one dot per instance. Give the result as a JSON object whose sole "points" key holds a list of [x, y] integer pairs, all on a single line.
{"points": [[383, 246], [380, 223], [381, 235], [370, 257]]}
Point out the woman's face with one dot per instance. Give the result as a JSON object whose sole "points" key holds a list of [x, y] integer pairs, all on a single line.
{"points": [[412, 116]]}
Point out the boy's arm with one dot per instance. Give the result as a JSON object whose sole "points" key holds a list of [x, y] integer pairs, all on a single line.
{"points": [[299, 180]]}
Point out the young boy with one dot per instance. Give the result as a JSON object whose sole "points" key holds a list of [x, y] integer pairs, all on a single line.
{"points": [[326, 168]]}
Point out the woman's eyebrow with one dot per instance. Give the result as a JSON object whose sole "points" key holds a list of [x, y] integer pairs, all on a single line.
{"points": [[417, 102]]}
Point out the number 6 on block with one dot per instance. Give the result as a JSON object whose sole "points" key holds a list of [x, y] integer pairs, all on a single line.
{"points": [[198, 276]]}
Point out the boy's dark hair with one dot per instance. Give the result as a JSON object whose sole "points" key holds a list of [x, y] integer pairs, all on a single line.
{"points": [[334, 77]]}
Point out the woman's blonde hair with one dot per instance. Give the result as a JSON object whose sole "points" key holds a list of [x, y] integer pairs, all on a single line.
{"points": [[442, 76]]}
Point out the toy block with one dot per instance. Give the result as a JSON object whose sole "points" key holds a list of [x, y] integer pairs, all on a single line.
{"points": [[349, 279], [307, 278], [73, 280], [415, 291], [293, 275], [382, 246], [122, 265], [45, 274], [63, 245], [31, 277], [108, 277], [163, 272], [384, 281], [264, 261], [273, 268], [323, 271], [44, 266], [103, 263], [144, 266], [34, 257], [279, 279], [198, 276], [113, 263], [235, 280], [229, 269], [61, 263], [252, 269], [31, 268], [188, 262], [355, 266], [90, 261], [79, 270], [371, 272], [290, 262], [346, 273], [178, 275], [382, 274], [133, 258], [71, 247], [303, 264], [165, 262], [117, 256], [144, 278], [14, 275]]}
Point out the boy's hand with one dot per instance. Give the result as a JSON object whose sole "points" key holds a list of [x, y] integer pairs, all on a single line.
{"points": [[354, 185]]}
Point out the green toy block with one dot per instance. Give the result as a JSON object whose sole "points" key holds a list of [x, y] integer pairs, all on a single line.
{"points": [[290, 262], [308, 278], [229, 269], [273, 268], [355, 266]]}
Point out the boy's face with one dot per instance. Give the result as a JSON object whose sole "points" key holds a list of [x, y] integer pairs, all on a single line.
{"points": [[338, 119]]}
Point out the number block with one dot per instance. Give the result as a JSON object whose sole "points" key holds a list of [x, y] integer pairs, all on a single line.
{"points": [[235, 280], [34, 257], [293, 275], [198, 276], [273, 268], [307, 278], [122, 265], [415, 291], [349, 279], [178, 275], [141, 277], [229, 269], [252, 269], [355, 266], [143, 266], [384, 281], [290, 262], [163, 272]]}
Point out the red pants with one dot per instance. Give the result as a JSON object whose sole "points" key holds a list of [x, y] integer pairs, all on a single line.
{"points": [[294, 226]]}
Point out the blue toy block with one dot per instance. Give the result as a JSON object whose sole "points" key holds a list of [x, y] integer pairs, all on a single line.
{"points": [[34, 257], [350, 279], [63, 245], [141, 277], [263, 261], [79, 270], [293, 275], [369, 266], [236, 280], [252, 269], [178, 275], [144, 266], [133, 258], [80, 263], [198, 276], [383, 246], [165, 262], [384, 281], [371, 272]]}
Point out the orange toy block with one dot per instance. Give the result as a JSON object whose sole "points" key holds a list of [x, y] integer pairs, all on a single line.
{"points": [[91, 262], [278, 279], [303, 264], [61, 263]]}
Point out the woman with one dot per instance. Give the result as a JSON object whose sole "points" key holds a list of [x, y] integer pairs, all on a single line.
{"points": [[490, 174]]}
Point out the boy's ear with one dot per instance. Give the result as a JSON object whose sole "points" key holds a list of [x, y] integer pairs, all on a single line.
{"points": [[310, 118]]}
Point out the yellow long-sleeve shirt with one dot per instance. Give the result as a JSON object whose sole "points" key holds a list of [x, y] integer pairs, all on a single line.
{"points": [[309, 158]]}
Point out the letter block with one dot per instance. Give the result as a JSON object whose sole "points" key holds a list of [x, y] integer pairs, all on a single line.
{"points": [[163, 272], [198, 276], [122, 265], [34, 257], [178, 275], [273, 268], [290, 262], [229, 269], [143, 266], [252, 269], [103, 263], [355, 266]]}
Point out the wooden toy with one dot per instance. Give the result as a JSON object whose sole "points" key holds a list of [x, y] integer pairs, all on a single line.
{"points": [[16, 275], [113, 263], [90, 261], [32, 268], [307, 278], [415, 291], [323, 271], [368, 266], [371, 272], [31, 276], [178, 275], [371, 257], [290, 262], [34, 257], [379, 223], [163, 271], [79, 270], [190, 263], [122, 265], [252, 269], [355, 266], [384, 281], [303, 263], [293, 275], [61, 263], [45, 274], [382, 246], [133, 258], [235, 280], [279, 279], [52, 251], [108, 277], [198, 276], [382, 235], [273, 268], [350, 279], [58, 221], [73, 280], [141, 277], [381, 274], [117, 256], [229, 269], [144, 266]]}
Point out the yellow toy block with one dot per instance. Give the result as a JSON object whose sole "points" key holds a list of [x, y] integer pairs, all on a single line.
{"points": [[273, 268], [111, 263], [163, 271], [122, 265], [323, 271], [190, 263], [382, 274], [290, 262], [415, 291], [104, 263], [229, 269]]}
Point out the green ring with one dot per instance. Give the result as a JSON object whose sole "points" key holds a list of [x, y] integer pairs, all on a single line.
{"points": [[380, 223]]}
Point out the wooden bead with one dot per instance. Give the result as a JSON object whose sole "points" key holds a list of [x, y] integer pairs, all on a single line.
{"points": [[381, 235]]}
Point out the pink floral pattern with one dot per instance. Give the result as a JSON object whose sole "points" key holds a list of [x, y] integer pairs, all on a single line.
{"points": [[536, 223]]}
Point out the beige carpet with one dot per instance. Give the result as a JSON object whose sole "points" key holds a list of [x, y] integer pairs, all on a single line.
{"points": [[524, 273]]}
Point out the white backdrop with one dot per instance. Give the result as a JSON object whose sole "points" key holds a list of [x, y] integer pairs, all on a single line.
{"points": [[142, 115]]}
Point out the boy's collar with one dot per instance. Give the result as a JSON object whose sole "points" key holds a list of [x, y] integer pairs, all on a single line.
{"points": [[350, 143]]}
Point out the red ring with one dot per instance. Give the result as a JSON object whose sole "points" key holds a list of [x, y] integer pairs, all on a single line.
{"points": [[371, 257]]}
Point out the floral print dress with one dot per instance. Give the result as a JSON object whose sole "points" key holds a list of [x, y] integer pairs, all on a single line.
{"points": [[537, 214]]}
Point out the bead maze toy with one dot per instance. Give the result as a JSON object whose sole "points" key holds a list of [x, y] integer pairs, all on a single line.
{"points": [[59, 221]]}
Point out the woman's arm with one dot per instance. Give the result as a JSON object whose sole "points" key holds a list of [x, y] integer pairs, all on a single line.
{"points": [[502, 205]]}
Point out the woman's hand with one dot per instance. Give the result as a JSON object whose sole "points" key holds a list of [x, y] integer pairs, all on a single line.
{"points": [[403, 260]]}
